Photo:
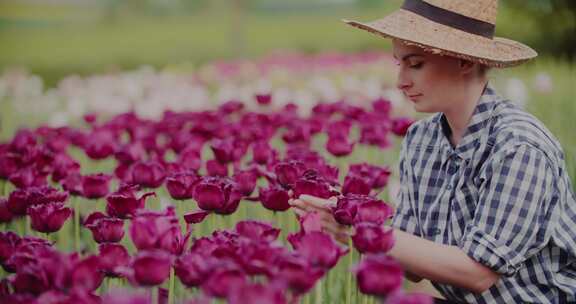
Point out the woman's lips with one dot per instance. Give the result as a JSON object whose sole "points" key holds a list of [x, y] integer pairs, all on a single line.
{"points": [[414, 97]]}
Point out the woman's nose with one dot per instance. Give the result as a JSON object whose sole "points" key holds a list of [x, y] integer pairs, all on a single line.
{"points": [[403, 82]]}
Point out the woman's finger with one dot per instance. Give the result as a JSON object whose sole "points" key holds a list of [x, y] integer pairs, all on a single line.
{"points": [[317, 202]]}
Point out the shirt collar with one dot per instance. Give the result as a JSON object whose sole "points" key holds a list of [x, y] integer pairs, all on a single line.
{"points": [[480, 117]]}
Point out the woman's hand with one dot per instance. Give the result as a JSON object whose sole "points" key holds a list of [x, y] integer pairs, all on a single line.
{"points": [[307, 203]]}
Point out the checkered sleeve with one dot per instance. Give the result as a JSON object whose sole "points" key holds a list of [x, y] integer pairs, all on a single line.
{"points": [[514, 215], [404, 217]]}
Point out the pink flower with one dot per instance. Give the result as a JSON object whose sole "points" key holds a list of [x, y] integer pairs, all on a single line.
{"points": [[339, 146], [96, 185], [49, 217], [274, 198], [257, 231], [148, 174], [181, 185], [195, 217], [5, 214], [400, 125], [379, 275], [263, 99], [113, 256], [151, 267], [106, 229], [123, 203], [372, 238], [156, 230]]}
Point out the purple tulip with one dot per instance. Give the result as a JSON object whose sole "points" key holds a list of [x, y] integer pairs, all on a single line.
{"points": [[223, 281], [375, 211], [181, 185], [106, 229], [379, 275], [5, 214], [246, 181], [399, 297], [113, 256], [230, 107], [8, 162], [209, 195], [63, 166], [298, 274], [223, 150], [382, 106], [195, 217], [190, 158], [312, 184], [274, 198], [125, 296], [257, 231], [86, 274], [9, 242], [346, 209], [123, 203], [18, 252], [217, 194], [339, 146], [257, 293], [149, 174], [72, 183], [49, 217], [372, 238], [320, 249], [400, 125], [215, 168], [263, 99], [156, 230], [20, 199], [193, 268], [101, 145], [378, 176], [310, 222], [96, 186], [151, 267], [289, 172], [28, 177], [356, 185], [130, 153], [263, 153]]}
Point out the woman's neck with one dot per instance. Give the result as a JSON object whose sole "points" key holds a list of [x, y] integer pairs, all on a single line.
{"points": [[459, 115]]}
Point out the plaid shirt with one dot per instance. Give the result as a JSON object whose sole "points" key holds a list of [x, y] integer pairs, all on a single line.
{"points": [[502, 195]]}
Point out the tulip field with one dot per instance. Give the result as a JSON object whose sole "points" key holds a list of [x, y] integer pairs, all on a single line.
{"points": [[175, 186]]}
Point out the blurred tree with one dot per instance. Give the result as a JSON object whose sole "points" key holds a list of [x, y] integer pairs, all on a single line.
{"points": [[556, 21]]}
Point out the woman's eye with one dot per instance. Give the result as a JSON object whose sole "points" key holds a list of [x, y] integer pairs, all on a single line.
{"points": [[417, 65]]}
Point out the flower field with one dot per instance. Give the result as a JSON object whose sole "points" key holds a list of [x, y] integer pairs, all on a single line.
{"points": [[174, 186]]}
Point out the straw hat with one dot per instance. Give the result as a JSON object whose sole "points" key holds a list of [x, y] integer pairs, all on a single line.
{"points": [[458, 28]]}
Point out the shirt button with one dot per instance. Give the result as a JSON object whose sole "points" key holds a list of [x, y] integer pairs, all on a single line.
{"points": [[434, 231], [449, 187]]}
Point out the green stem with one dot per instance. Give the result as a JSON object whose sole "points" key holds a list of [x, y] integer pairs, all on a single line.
{"points": [[2, 187], [349, 273], [171, 287], [154, 295], [76, 224], [319, 292]]}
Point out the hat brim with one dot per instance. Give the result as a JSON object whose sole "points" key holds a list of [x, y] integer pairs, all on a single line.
{"points": [[437, 38]]}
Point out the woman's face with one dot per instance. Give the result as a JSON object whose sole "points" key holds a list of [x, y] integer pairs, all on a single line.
{"points": [[426, 78]]}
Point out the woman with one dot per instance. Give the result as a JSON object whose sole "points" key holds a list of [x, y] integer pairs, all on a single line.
{"points": [[485, 210]]}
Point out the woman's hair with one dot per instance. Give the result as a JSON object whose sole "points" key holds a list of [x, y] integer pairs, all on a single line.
{"points": [[483, 70]]}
